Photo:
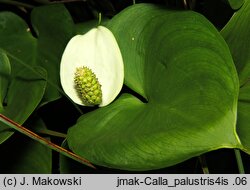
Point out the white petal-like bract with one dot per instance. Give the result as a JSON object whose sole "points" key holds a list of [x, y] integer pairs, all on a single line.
{"points": [[99, 51]]}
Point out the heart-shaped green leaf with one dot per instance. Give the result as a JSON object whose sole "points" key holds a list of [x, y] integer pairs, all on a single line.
{"points": [[5, 71], [53, 26], [180, 63], [22, 95], [243, 119], [26, 53], [4, 77], [236, 33], [16, 39]]}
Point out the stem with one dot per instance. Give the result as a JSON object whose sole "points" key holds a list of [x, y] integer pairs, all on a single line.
{"points": [[56, 2], [51, 133], [203, 163], [65, 1], [185, 4], [134, 2], [42, 1], [16, 3], [43, 141], [49, 82], [239, 161], [99, 18]]}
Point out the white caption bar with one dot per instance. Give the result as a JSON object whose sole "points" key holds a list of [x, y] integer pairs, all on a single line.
{"points": [[124, 182]]}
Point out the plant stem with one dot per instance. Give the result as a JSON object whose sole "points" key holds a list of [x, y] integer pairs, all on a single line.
{"points": [[43, 141], [99, 18], [185, 4], [57, 2], [51, 133], [17, 3], [239, 161], [203, 163], [65, 1]]}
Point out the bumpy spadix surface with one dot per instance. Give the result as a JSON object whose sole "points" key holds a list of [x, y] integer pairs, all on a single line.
{"points": [[98, 51], [88, 86]]}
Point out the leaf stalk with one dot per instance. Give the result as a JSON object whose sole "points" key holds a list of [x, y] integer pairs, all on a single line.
{"points": [[17, 3], [239, 161], [44, 141]]}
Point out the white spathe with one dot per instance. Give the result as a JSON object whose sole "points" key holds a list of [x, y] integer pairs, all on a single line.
{"points": [[99, 51]]}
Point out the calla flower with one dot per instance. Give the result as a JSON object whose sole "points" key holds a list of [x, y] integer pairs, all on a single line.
{"points": [[92, 69]]}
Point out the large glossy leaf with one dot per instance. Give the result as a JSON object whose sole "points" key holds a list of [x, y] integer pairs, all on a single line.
{"points": [[182, 66], [4, 77], [22, 95], [54, 28], [5, 71], [17, 40], [243, 118], [26, 53], [236, 33]]}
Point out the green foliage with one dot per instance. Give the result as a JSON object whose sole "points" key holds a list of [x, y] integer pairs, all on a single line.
{"points": [[236, 33], [184, 69], [20, 94], [54, 27], [5, 71], [45, 50]]}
